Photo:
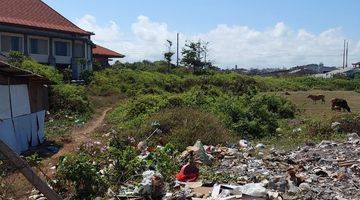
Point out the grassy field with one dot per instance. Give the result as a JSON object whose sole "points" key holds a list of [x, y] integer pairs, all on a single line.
{"points": [[309, 109]]}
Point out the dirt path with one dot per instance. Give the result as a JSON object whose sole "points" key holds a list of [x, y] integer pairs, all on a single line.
{"points": [[78, 136], [82, 134]]}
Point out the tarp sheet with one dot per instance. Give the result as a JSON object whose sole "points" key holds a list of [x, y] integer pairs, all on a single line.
{"points": [[23, 132], [41, 130], [5, 111], [20, 102], [7, 135], [22, 127], [34, 130]]}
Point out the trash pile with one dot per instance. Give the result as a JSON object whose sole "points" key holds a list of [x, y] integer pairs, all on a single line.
{"points": [[329, 170]]}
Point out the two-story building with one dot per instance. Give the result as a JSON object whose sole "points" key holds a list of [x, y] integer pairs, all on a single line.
{"points": [[34, 28]]}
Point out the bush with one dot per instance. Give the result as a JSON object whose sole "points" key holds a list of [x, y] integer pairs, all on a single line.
{"points": [[43, 70], [318, 127], [69, 98], [87, 76], [253, 116], [126, 164], [183, 126], [349, 123], [81, 174]]}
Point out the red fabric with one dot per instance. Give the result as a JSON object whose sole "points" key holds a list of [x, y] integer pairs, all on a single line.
{"points": [[188, 173], [35, 13]]}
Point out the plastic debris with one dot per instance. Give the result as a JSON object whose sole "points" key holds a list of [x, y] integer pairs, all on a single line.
{"points": [[189, 172], [244, 143], [152, 185]]}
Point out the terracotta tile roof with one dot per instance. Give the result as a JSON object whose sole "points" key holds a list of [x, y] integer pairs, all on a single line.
{"points": [[35, 13], [102, 51]]}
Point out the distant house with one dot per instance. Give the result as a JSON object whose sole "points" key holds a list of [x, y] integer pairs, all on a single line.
{"points": [[103, 55], [34, 28], [356, 65], [23, 100]]}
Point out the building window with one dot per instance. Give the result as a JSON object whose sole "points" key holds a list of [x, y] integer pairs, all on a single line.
{"points": [[62, 48], [79, 50], [11, 43], [39, 46]]}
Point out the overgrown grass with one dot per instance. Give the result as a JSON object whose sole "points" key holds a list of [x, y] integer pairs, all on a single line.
{"points": [[131, 80]]}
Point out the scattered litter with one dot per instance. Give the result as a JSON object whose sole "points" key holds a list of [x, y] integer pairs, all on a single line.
{"points": [[189, 172], [329, 170], [152, 185], [244, 143]]}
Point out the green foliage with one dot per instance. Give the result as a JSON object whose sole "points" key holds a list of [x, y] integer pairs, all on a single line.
{"points": [[43, 70], [16, 58], [256, 116], [63, 97], [168, 55], [212, 175], [164, 161], [87, 76], [318, 127], [80, 173], [193, 115], [34, 160], [71, 98], [349, 123], [193, 56], [127, 164], [183, 126], [306, 83]]}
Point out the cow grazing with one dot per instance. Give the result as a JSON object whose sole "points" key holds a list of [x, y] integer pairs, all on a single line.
{"points": [[340, 104], [316, 98]]}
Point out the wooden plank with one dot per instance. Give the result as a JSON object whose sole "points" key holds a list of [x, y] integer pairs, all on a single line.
{"points": [[28, 172]]}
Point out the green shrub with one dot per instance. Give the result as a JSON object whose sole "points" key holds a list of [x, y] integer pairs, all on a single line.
{"points": [[127, 164], [43, 70], [349, 123], [87, 76], [183, 126], [81, 174], [164, 160], [70, 98], [318, 127]]}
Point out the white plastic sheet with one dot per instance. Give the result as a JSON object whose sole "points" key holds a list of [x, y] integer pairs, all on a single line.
{"points": [[7, 135], [20, 102], [5, 111]]}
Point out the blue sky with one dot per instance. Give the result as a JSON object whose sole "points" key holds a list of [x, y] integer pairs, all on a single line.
{"points": [[141, 22]]}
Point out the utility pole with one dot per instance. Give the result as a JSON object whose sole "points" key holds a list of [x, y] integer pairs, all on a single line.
{"points": [[347, 54], [344, 52], [177, 50]]}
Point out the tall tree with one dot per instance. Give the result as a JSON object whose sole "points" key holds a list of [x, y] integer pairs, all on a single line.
{"points": [[195, 56]]}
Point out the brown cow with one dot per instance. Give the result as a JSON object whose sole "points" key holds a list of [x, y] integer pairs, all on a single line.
{"points": [[340, 104], [316, 98]]}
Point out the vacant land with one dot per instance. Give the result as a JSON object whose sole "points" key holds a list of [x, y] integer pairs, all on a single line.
{"points": [[309, 109]]}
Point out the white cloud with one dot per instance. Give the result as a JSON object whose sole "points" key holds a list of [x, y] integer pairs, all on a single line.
{"points": [[229, 45], [107, 34]]}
